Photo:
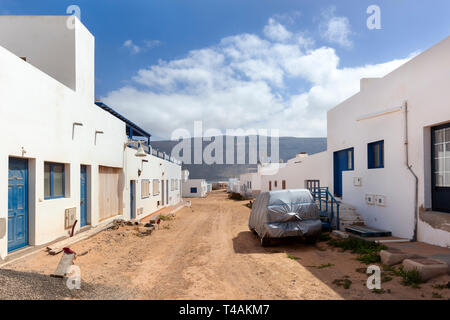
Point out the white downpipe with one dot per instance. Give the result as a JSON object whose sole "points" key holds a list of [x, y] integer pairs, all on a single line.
{"points": [[416, 196]]}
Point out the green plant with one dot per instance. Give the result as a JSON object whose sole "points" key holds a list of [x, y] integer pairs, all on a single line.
{"points": [[356, 245], [410, 277], [385, 278], [442, 286], [165, 218], [436, 295], [324, 236], [367, 250], [361, 270], [323, 266], [291, 256], [236, 196], [346, 283], [369, 258]]}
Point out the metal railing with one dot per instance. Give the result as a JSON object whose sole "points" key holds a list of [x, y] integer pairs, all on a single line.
{"points": [[327, 204], [154, 152]]}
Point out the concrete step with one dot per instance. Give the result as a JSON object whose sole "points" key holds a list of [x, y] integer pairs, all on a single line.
{"points": [[427, 268], [394, 256]]}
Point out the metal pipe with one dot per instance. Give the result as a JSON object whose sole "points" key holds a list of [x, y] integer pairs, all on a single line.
{"points": [[416, 196]]}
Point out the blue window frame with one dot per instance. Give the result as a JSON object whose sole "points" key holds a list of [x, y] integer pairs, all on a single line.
{"points": [[54, 180], [193, 190], [375, 155]]}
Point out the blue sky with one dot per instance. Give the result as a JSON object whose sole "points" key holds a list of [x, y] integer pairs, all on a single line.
{"points": [[157, 58]]}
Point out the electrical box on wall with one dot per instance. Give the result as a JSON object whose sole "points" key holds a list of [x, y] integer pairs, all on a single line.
{"points": [[370, 199], [380, 200], [69, 217], [357, 181]]}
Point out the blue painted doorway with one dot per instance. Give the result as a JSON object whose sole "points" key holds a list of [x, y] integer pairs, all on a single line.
{"points": [[83, 196], [132, 198], [17, 204], [343, 161]]}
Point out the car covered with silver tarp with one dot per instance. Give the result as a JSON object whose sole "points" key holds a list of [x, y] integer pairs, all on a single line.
{"points": [[285, 214]]}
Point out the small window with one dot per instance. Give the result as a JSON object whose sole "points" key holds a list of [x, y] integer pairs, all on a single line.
{"points": [[283, 184], [155, 187], [145, 189], [375, 154], [193, 190], [270, 185], [350, 159], [53, 180], [276, 183]]}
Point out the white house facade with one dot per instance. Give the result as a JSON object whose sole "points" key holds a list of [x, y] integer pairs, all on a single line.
{"points": [[397, 130], [64, 157], [194, 188]]}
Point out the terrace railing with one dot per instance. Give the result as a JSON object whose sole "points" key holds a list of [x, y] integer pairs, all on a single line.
{"points": [[328, 206]]}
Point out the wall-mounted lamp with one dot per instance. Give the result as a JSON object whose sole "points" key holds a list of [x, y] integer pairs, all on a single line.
{"points": [[140, 152]]}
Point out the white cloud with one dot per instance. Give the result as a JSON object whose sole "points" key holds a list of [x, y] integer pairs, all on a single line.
{"points": [[245, 81], [131, 46], [135, 49], [335, 29], [276, 31]]}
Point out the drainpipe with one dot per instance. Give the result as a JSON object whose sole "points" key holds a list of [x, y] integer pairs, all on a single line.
{"points": [[416, 196]]}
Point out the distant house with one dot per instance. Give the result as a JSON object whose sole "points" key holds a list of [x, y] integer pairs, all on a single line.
{"points": [[194, 188], [63, 157]]}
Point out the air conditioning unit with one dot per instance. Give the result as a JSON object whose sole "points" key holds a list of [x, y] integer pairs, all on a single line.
{"points": [[380, 200], [357, 181], [370, 199], [69, 217]]}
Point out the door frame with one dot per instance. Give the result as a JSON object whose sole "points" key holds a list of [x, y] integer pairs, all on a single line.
{"points": [[162, 192], [132, 199], [86, 185], [27, 206], [433, 167], [337, 171]]}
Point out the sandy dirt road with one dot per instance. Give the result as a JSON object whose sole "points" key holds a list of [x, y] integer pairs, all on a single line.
{"points": [[207, 252]]}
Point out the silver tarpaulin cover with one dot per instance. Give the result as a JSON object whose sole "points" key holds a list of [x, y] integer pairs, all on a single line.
{"points": [[285, 213]]}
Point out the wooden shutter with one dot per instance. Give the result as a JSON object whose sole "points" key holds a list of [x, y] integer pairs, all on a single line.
{"points": [[110, 193]]}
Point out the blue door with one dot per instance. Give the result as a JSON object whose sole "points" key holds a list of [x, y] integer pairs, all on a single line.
{"points": [[17, 204], [343, 161], [83, 196], [132, 188]]}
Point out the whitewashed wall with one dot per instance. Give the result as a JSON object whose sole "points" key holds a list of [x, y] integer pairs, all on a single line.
{"points": [[424, 83], [37, 113], [297, 171], [154, 169], [200, 184]]}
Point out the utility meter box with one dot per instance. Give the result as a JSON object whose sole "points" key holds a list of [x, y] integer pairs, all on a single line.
{"points": [[70, 217], [370, 199]]}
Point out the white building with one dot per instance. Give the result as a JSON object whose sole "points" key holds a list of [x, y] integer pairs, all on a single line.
{"points": [[63, 156], [298, 172], [395, 129], [194, 188]]}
